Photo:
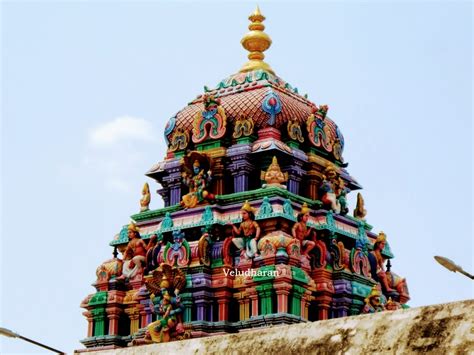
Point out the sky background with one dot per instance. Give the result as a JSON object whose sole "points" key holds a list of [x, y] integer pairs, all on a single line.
{"points": [[87, 88]]}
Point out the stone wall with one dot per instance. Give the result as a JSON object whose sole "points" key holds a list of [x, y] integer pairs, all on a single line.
{"points": [[438, 329]]}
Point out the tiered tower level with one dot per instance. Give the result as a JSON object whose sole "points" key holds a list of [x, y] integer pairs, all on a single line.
{"points": [[256, 228]]}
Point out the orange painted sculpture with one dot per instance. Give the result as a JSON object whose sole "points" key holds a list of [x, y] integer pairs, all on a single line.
{"points": [[247, 234], [301, 232], [377, 253], [134, 255]]}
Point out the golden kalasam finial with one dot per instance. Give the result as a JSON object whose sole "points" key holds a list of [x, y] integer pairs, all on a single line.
{"points": [[256, 42]]}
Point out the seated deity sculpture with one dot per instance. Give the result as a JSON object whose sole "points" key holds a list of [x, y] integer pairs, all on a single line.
{"points": [[274, 177], [134, 255], [197, 178], [301, 232], [247, 234]]}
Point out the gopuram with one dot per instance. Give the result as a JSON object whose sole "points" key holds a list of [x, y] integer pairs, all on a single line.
{"points": [[256, 228]]}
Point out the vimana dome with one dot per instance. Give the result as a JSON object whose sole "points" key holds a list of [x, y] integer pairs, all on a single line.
{"points": [[256, 228]]}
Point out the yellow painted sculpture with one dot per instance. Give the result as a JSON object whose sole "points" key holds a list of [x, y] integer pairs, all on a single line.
{"points": [[146, 197], [197, 175], [373, 302], [359, 211], [274, 177]]}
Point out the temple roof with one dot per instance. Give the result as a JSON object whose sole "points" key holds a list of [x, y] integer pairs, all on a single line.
{"points": [[246, 95]]}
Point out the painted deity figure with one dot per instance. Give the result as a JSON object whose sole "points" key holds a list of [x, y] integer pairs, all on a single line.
{"points": [[247, 234], [373, 302], [301, 232], [146, 197], [377, 253], [164, 285], [274, 176], [198, 182], [333, 191], [134, 255]]}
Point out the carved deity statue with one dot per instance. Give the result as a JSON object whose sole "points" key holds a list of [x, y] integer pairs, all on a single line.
{"points": [[146, 197], [197, 175], [164, 284], [373, 302], [380, 259], [247, 234], [274, 176], [360, 212], [134, 254], [333, 191], [301, 232]]}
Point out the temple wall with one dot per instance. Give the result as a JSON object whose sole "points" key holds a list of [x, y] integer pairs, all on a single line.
{"points": [[437, 329]]}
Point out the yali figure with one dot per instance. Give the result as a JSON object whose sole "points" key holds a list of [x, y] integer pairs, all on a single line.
{"points": [[246, 236]]}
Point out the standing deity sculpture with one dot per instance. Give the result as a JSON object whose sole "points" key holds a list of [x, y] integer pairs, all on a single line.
{"points": [[360, 212], [197, 176], [301, 232], [146, 197], [380, 261], [247, 234]]}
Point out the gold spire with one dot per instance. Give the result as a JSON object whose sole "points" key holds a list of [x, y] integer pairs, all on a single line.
{"points": [[256, 42]]}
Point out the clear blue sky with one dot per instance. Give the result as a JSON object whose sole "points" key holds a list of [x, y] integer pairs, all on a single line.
{"points": [[87, 88]]}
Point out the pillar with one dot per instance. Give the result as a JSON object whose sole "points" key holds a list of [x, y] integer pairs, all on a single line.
{"points": [[99, 316], [90, 323], [313, 184], [187, 302], [218, 176], [223, 300], [252, 294], [173, 182], [134, 316], [164, 195], [295, 172], [113, 314], [145, 312], [305, 302], [282, 291], [203, 303], [240, 166], [295, 306], [265, 294]]}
